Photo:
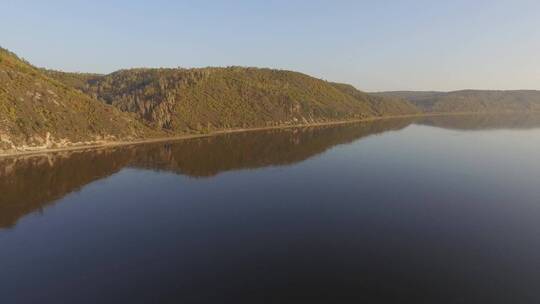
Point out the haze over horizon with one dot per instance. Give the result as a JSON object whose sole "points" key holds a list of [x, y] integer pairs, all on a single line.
{"points": [[398, 45]]}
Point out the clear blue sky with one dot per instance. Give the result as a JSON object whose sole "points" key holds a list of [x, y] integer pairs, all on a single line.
{"points": [[374, 45]]}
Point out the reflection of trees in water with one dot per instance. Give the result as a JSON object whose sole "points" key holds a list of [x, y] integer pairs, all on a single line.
{"points": [[211, 155], [28, 183], [483, 121]]}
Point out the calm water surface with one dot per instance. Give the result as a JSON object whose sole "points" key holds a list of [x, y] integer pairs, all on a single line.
{"points": [[436, 210]]}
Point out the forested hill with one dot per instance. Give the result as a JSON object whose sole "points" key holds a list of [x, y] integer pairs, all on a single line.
{"points": [[42, 109], [206, 99], [37, 111], [478, 101]]}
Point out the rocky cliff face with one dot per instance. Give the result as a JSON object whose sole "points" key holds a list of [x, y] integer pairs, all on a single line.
{"points": [[194, 100]]}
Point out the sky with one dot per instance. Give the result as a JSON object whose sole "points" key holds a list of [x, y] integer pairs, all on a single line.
{"points": [[373, 45]]}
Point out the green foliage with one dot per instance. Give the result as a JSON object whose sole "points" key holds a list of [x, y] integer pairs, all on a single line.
{"points": [[33, 105], [138, 103], [203, 100]]}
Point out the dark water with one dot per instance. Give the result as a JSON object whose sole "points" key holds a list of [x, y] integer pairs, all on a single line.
{"points": [[438, 210]]}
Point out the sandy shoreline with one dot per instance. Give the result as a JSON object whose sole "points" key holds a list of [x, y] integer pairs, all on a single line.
{"points": [[215, 133]]}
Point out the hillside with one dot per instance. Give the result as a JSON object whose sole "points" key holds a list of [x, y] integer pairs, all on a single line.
{"points": [[381, 105], [74, 80], [45, 109], [195, 100], [481, 101], [39, 112]]}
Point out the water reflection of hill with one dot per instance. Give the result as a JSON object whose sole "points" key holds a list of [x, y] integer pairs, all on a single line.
{"points": [[209, 156], [28, 184], [483, 121]]}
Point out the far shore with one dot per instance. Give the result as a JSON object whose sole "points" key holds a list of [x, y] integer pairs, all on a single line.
{"points": [[228, 131]]}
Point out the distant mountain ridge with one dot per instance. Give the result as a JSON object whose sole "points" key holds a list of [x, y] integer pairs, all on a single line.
{"points": [[470, 101]]}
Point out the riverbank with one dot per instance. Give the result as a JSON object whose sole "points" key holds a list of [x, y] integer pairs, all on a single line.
{"points": [[220, 132]]}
